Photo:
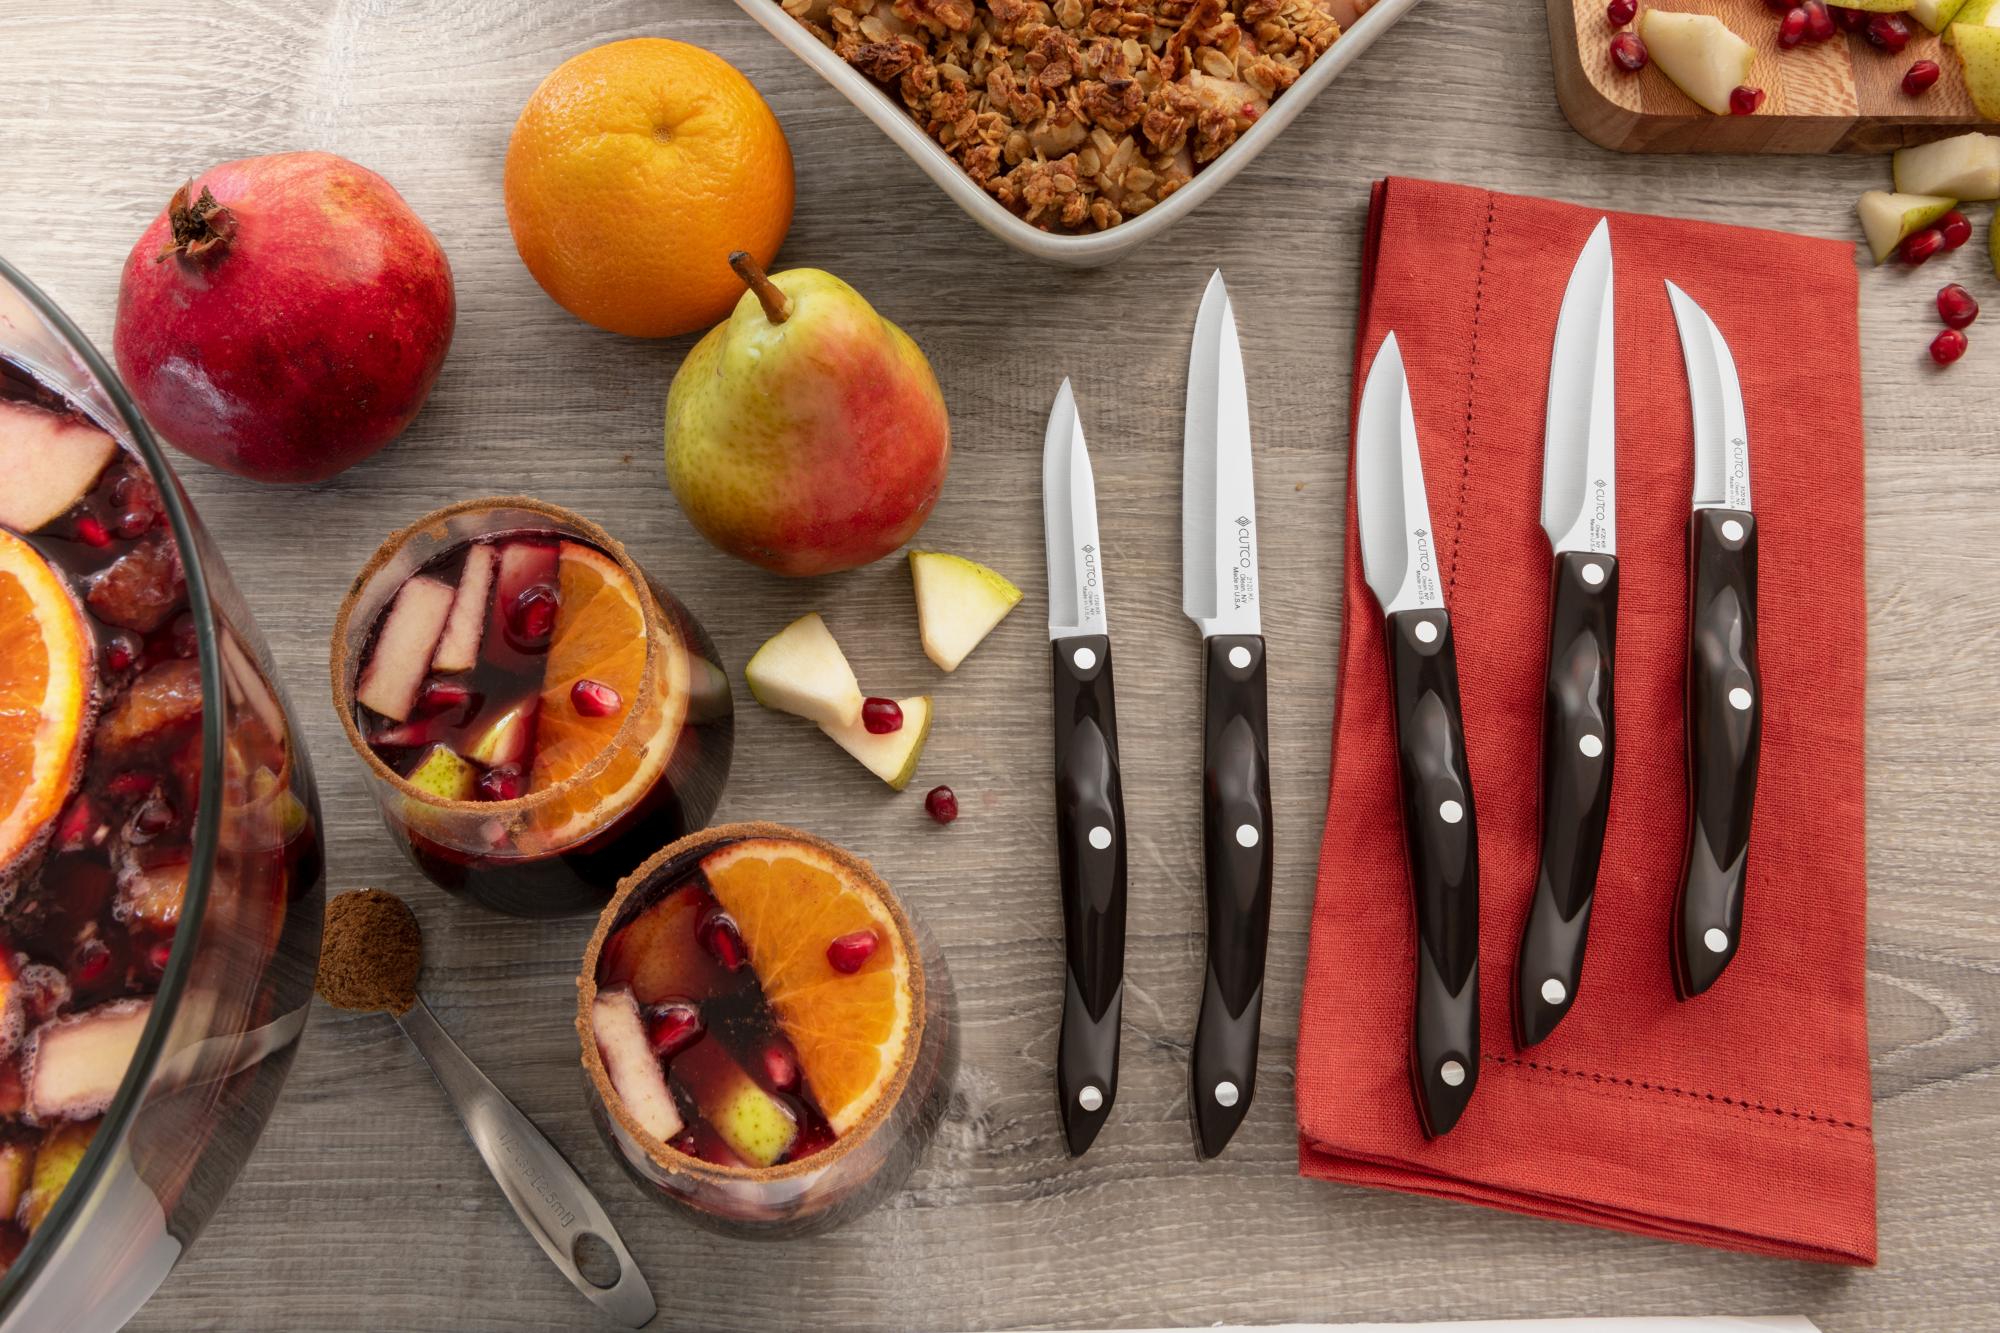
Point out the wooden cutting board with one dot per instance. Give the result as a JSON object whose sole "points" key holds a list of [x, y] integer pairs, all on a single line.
{"points": [[1842, 95]]}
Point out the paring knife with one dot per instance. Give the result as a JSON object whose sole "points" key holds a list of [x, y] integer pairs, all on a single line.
{"points": [[1090, 807], [1399, 560], [1219, 593], [1580, 516], [1725, 705]]}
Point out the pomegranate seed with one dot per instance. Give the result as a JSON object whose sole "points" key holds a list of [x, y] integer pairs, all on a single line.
{"points": [[75, 827], [941, 804], [499, 784], [594, 699], [1792, 28], [1948, 346], [1921, 245], [130, 784], [1849, 18], [1956, 306], [438, 695], [121, 650], [1957, 229], [134, 522], [1819, 23], [671, 1027], [89, 963], [186, 640], [780, 1068], [157, 956], [881, 716], [1920, 76], [1744, 100], [718, 934], [849, 952], [1890, 32], [1621, 12], [532, 617], [1628, 52], [155, 817], [92, 531]]}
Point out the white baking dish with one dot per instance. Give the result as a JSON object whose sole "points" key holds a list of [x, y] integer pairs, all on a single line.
{"points": [[1089, 250]]}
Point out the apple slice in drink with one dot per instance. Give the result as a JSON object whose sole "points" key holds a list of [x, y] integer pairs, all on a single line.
{"points": [[891, 756], [458, 649], [401, 657], [959, 601], [71, 1066], [628, 1060], [1887, 218], [801, 670], [1699, 53], [523, 564], [1965, 166], [49, 462]]}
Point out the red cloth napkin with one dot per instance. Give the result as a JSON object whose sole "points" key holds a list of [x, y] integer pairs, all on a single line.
{"points": [[1740, 1118]]}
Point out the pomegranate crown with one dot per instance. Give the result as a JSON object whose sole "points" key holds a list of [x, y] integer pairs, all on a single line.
{"points": [[199, 227]]}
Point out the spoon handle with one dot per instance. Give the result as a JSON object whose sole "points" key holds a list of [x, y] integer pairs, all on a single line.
{"points": [[553, 1202]]}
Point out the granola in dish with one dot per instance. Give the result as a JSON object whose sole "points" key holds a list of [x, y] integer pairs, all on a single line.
{"points": [[1078, 114]]}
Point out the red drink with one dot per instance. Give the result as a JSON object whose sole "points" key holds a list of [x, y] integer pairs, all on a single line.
{"points": [[539, 715]]}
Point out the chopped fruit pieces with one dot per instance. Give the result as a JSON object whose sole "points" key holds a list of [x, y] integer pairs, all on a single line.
{"points": [[656, 952], [724, 942], [1936, 14], [531, 618], [1792, 28], [45, 695], [444, 774], [1979, 49], [141, 588], [593, 698], [628, 1060], [404, 643], [1700, 54], [55, 1162], [523, 565], [1889, 32], [1956, 306], [1957, 229], [1618, 13], [881, 716], [941, 804], [1966, 166], [50, 462], [847, 953], [671, 1028], [1819, 23], [72, 1066], [16, 1161], [458, 647], [1920, 246], [1744, 100], [164, 702], [801, 670], [757, 1127], [509, 739], [892, 757], [780, 1070], [1948, 346], [958, 603], [1887, 218], [151, 895], [1628, 52]]}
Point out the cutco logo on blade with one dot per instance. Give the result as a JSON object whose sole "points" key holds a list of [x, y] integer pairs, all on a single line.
{"points": [[1092, 598], [1426, 572], [1739, 472], [1243, 575], [1600, 513]]}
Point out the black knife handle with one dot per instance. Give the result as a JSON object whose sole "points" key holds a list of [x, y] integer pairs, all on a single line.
{"points": [[1577, 754], [1444, 864], [1725, 722], [1236, 866], [1090, 848]]}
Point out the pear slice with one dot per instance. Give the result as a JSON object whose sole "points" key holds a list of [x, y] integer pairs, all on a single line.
{"points": [[443, 774], [1979, 48], [1936, 14], [458, 647], [801, 670], [635, 1074], [506, 741], [959, 601], [401, 657], [49, 462], [1699, 53], [1888, 218], [1880, 6], [893, 756], [1971, 14], [1965, 166]]}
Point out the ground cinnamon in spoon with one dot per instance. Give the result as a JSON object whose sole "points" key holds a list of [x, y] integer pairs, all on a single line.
{"points": [[372, 952]]}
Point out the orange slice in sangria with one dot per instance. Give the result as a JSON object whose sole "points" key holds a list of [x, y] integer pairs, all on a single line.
{"points": [[596, 662], [792, 903], [45, 695]]}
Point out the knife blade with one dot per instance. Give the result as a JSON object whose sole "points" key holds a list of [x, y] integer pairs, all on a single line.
{"points": [[1399, 561], [1580, 516], [1090, 803], [1725, 698], [1219, 593]]}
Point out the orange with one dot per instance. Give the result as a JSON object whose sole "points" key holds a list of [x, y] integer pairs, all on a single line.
{"points": [[600, 635], [790, 901], [634, 171], [44, 695]]}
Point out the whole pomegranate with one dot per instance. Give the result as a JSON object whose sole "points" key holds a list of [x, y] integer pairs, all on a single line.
{"points": [[284, 317]]}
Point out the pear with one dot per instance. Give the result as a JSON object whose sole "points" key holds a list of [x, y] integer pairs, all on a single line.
{"points": [[1699, 53], [634, 1071], [1880, 6], [1888, 218], [801, 670], [1965, 166], [1936, 14], [1971, 14], [444, 775], [959, 601], [891, 756], [806, 433], [1979, 49]]}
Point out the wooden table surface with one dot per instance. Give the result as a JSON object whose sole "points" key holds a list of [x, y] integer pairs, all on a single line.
{"points": [[364, 1207]]}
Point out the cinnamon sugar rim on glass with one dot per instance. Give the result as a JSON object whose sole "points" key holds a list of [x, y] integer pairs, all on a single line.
{"points": [[436, 524], [859, 872]]}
